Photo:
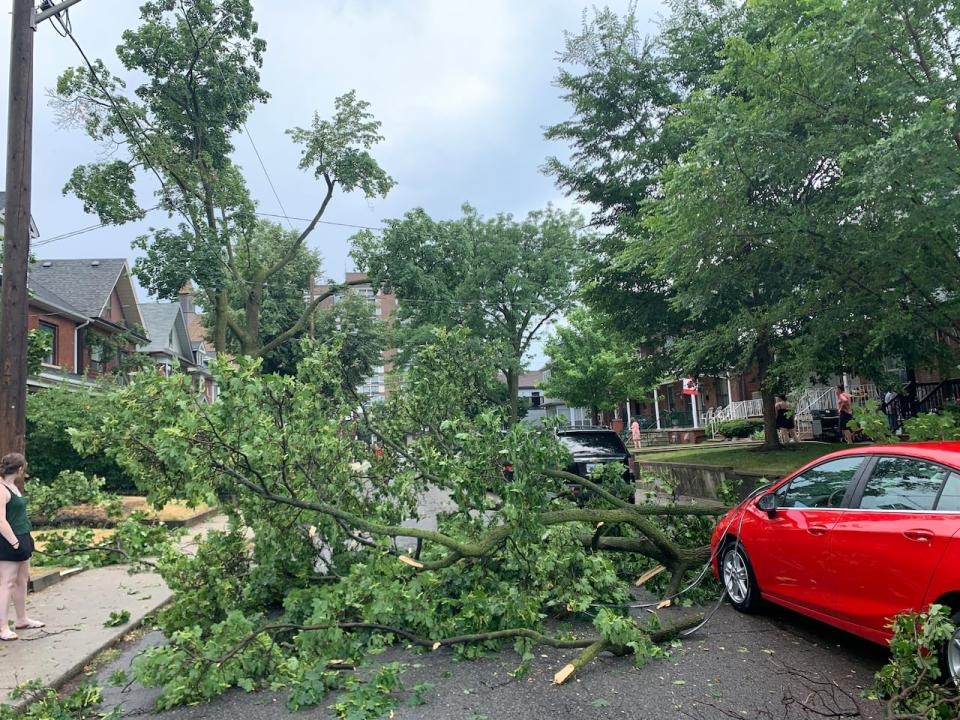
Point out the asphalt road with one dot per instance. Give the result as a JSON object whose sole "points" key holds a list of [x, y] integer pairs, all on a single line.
{"points": [[773, 665]]}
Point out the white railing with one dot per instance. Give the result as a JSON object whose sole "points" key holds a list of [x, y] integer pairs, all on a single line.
{"points": [[818, 397], [740, 410]]}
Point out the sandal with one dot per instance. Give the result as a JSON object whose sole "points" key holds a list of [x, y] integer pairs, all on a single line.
{"points": [[8, 636], [31, 624]]}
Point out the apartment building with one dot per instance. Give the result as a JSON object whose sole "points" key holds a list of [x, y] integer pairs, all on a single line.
{"points": [[382, 307]]}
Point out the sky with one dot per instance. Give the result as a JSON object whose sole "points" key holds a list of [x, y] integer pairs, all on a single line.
{"points": [[463, 89]]}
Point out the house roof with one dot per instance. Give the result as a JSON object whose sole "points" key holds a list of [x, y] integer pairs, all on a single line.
{"points": [[88, 283], [39, 295], [34, 231], [533, 379], [161, 320]]}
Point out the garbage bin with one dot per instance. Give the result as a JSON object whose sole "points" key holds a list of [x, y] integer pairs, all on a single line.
{"points": [[826, 425]]}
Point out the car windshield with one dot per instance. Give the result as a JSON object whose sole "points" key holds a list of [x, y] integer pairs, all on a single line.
{"points": [[593, 443]]}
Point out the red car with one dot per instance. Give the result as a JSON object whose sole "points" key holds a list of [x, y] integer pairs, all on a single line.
{"points": [[852, 539]]}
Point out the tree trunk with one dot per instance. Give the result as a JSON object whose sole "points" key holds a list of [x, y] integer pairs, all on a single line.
{"points": [[250, 343], [513, 389], [771, 440], [221, 309]]}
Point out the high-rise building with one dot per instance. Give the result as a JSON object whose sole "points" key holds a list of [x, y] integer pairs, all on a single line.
{"points": [[382, 307]]}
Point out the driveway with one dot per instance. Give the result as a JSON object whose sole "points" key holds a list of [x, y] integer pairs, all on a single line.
{"points": [[774, 665]]}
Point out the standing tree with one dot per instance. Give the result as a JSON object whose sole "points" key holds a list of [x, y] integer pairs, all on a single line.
{"points": [[591, 364], [199, 69], [501, 278]]}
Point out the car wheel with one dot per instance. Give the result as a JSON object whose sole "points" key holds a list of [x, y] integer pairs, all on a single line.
{"points": [[738, 579], [950, 654]]}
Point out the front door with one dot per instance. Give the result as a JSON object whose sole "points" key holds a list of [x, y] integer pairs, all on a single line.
{"points": [[887, 547], [792, 548]]}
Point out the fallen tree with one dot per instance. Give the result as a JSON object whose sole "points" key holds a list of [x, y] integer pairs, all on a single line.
{"points": [[329, 490]]}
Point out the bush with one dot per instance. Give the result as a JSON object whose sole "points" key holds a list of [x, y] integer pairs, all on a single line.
{"points": [[910, 682], [50, 413], [740, 428], [71, 488]]}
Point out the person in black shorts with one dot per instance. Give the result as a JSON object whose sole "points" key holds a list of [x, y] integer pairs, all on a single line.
{"points": [[16, 546], [786, 428]]}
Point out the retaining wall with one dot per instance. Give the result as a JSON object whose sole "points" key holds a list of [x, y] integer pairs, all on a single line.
{"points": [[699, 481]]}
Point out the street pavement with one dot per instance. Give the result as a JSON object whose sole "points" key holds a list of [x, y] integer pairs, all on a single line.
{"points": [[773, 665]]}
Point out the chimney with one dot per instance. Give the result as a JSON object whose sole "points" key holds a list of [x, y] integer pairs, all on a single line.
{"points": [[186, 299]]}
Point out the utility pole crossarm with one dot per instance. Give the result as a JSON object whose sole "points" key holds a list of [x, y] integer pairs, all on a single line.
{"points": [[51, 11]]}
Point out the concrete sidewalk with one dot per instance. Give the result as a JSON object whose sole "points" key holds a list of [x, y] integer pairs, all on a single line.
{"points": [[75, 611]]}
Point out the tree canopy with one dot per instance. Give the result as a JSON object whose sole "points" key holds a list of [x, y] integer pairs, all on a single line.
{"points": [[504, 279], [775, 180], [590, 364], [197, 71]]}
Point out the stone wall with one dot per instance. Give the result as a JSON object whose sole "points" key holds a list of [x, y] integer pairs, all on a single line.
{"points": [[698, 481]]}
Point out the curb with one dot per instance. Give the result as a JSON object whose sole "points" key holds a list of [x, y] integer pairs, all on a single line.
{"points": [[190, 521], [42, 582]]}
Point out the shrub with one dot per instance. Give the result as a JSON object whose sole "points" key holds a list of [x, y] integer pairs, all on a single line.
{"points": [[70, 487], [740, 428], [910, 682], [50, 413]]}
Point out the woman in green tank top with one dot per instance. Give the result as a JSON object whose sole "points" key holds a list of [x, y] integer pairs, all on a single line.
{"points": [[16, 546]]}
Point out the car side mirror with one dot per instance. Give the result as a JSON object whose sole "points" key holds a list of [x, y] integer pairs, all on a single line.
{"points": [[768, 503]]}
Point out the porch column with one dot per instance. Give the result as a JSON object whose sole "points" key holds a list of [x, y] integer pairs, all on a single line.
{"points": [[628, 413], [656, 406], [693, 407], [729, 391]]}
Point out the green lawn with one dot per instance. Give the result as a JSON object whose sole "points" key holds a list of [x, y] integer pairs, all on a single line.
{"points": [[779, 462]]}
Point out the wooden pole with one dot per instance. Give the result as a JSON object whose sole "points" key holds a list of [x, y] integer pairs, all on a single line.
{"points": [[16, 232]]}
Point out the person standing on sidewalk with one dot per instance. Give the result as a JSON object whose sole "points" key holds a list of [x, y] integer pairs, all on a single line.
{"points": [[16, 546]]}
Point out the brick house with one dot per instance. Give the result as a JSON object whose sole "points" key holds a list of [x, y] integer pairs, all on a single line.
{"points": [[89, 308]]}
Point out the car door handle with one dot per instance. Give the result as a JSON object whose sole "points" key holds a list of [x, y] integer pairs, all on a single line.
{"points": [[919, 535], [817, 529]]}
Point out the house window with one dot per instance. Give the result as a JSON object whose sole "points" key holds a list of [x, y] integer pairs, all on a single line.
{"points": [[96, 358], [53, 332]]}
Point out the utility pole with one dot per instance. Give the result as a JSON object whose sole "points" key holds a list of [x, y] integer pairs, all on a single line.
{"points": [[16, 230]]}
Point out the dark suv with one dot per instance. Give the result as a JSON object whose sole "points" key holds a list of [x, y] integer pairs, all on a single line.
{"points": [[593, 446]]}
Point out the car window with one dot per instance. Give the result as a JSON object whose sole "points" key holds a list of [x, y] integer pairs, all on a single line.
{"points": [[950, 497], [822, 486], [899, 483], [604, 443]]}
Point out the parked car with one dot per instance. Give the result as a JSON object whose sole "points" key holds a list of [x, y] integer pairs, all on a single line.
{"points": [[593, 447], [852, 539]]}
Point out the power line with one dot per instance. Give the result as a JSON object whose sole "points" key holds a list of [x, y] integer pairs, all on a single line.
{"points": [[322, 222]]}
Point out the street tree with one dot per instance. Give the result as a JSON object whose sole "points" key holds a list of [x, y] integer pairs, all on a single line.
{"points": [[197, 71], [505, 279], [591, 364]]}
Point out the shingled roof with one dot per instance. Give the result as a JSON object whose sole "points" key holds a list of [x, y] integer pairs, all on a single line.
{"points": [[88, 283], [160, 322]]}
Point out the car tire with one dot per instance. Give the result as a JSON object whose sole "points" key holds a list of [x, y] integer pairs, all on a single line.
{"points": [[739, 582], [950, 655]]}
